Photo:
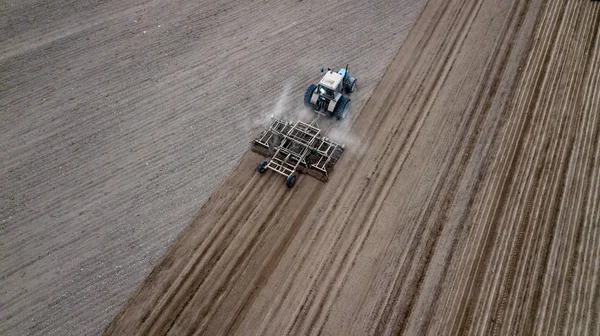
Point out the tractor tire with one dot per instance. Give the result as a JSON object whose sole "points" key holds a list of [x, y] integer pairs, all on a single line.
{"points": [[340, 108], [350, 88], [291, 180], [262, 166], [308, 96]]}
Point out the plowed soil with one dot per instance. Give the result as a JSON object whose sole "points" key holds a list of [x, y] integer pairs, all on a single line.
{"points": [[470, 204], [468, 201]]}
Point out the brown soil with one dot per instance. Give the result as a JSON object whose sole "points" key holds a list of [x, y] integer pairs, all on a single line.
{"points": [[468, 201], [470, 204]]}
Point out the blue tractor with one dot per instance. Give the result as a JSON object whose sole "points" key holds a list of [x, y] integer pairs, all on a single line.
{"points": [[327, 95]]}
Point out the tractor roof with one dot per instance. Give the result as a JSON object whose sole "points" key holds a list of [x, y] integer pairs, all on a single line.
{"points": [[331, 80]]}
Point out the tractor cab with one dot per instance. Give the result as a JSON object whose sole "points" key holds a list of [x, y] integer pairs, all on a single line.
{"points": [[327, 94], [331, 83]]}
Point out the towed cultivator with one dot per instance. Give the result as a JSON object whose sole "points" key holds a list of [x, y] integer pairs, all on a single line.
{"points": [[296, 147]]}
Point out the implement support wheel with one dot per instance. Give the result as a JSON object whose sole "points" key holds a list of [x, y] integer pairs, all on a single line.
{"points": [[262, 166], [291, 180]]}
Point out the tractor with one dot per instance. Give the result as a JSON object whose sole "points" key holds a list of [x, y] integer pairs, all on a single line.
{"points": [[327, 95]]}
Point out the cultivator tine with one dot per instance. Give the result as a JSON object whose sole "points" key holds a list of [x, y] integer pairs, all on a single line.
{"points": [[297, 147]]}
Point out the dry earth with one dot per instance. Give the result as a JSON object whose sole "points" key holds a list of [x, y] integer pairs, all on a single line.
{"points": [[469, 204], [118, 119]]}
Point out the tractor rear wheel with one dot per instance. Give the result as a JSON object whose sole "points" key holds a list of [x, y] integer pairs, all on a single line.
{"points": [[308, 96], [340, 108]]}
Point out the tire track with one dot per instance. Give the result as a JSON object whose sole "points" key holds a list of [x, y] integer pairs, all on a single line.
{"points": [[442, 182], [290, 268], [371, 132], [556, 191], [532, 302], [180, 293], [207, 254], [434, 193], [399, 159], [260, 282], [466, 215], [569, 207], [202, 249], [592, 216], [222, 284], [387, 148], [568, 267], [467, 304], [374, 214], [513, 289], [527, 181], [496, 73], [528, 221]]}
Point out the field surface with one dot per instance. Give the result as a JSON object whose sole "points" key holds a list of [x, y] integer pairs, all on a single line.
{"points": [[468, 202], [118, 119]]}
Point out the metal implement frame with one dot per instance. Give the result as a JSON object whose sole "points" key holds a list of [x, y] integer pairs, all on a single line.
{"points": [[296, 147]]}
